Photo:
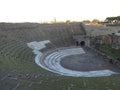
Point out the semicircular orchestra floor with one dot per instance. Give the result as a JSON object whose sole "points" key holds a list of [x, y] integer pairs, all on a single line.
{"points": [[89, 61]]}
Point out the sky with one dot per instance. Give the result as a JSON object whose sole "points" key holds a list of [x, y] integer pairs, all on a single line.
{"points": [[62, 10]]}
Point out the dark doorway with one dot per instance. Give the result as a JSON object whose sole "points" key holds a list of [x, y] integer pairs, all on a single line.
{"points": [[82, 43], [77, 43]]}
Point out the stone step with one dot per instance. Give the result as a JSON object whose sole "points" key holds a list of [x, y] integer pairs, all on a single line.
{"points": [[53, 59]]}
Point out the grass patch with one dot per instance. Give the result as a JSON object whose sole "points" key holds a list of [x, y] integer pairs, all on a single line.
{"points": [[111, 52]]}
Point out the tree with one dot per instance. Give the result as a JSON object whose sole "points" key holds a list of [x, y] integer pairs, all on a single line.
{"points": [[113, 20], [96, 21], [86, 21], [67, 21]]}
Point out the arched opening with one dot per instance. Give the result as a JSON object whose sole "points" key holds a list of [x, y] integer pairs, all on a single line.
{"points": [[82, 43]]}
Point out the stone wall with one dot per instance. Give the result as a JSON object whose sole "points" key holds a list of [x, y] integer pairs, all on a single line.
{"points": [[113, 40], [81, 40]]}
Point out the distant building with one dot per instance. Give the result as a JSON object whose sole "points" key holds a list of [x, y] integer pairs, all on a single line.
{"points": [[112, 21]]}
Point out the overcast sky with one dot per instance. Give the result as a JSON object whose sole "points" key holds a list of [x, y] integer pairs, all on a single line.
{"points": [[47, 10]]}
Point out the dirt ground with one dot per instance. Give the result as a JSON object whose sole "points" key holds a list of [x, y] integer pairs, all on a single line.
{"points": [[90, 61]]}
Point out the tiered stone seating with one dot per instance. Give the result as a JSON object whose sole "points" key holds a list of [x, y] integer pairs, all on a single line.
{"points": [[14, 39], [52, 61], [17, 58]]}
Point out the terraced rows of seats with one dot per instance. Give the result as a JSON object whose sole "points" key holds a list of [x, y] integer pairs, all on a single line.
{"points": [[101, 30], [15, 36], [18, 70], [51, 61], [17, 60]]}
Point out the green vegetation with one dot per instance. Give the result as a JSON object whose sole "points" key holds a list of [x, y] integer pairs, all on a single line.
{"points": [[111, 52], [113, 21], [113, 18], [67, 21]]}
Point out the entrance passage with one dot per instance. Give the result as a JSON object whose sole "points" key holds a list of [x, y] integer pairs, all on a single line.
{"points": [[82, 43]]}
